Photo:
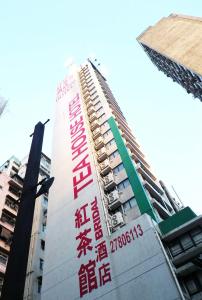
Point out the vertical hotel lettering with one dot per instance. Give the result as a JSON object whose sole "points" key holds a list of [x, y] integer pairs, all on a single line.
{"points": [[82, 172], [94, 271]]}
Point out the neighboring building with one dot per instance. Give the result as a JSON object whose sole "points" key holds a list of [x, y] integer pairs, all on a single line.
{"points": [[37, 244], [11, 180], [114, 231], [10, 189], [174, 46]]}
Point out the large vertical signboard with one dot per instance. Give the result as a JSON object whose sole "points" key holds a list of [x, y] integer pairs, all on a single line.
{"points": [[82, 261]]}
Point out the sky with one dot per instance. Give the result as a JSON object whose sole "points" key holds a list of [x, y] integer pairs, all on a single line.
{"points": [[37, 37]]}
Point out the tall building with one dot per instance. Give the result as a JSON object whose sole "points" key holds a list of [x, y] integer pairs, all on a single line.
{"points": [[113, 229], [174, 46], [10, 190], [12, 173]]}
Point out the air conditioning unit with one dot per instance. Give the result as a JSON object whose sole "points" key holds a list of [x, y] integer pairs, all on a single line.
{"points": [[113, 196], [104, 164], [109, 178], [117, 219]]}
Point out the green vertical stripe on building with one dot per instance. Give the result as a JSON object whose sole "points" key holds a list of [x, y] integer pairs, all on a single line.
{"points": [[137, 187]]}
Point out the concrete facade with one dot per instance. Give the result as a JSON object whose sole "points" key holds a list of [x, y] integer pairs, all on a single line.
{"points": [[103, 240], [174, 46]]}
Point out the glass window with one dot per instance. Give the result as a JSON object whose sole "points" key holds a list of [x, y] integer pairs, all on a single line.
{"points": [[97, 104], [39, 279], [113, 155], [123, 185], [191, 285], [110, 143], [118, 169], [106, 133], [101, 117], [94, 98], [129, 204], [126, 206], [100, 110], [133, 202], [41, 261], [196, 235], [175, 248], [42, 244], [103, 125], [186, 242]]}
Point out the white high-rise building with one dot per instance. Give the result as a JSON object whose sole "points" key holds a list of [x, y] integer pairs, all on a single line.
{"points": [[113, 230]]}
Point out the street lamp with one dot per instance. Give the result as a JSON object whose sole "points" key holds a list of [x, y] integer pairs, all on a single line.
{"points": [[14, 280]]}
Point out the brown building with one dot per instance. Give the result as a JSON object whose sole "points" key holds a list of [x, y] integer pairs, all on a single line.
{"points": [[174, 45]]}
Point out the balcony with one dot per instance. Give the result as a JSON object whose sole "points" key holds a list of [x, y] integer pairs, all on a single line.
{"points": [[153, 191], [109, 182], [102, 154], [89, 104], [105, 167], [11, 206], [146, 169], [99, 143], [163, 212], [87, 99], [5, 239], [91, 110], [94, 125], [86, 95], [138, 158], [7, 221], [96, 133], [149, 179], [93, 117], [16, 181]]}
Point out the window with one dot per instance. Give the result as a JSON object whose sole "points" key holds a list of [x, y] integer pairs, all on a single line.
{"points": [[113, 155], [42, 244], [3, 258], [186, 242], [93, 99], [90, 90], [175, 248], [41, 262], [118, 169], [123, 185], [110, 143], [196, 235], [39, 280], [100, 110], [101, 117], [104, 125], [129, 204], [108, 132], [193, 284], [45, 201], [43, 227], [97, 104], [93, 93]]}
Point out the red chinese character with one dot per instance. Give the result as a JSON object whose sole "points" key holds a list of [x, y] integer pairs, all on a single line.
{"points": [[101, 251], [87, 278], [84, 242], [81, 217], [104, 274]]}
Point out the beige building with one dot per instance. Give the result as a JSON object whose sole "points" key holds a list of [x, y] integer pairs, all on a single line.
{"points": [[174, 45]]}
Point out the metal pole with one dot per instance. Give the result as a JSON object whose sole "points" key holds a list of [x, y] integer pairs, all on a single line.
{"points": [[14, 281]]}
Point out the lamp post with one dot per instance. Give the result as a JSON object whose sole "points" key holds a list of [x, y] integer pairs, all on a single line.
{"points": [[14, 281]]}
